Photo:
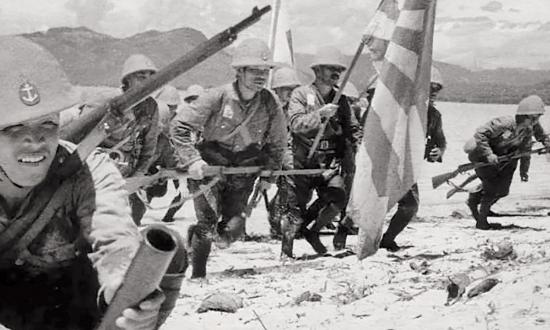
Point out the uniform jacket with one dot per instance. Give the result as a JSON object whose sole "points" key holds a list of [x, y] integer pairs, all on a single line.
{"points": [[219, 114], [138, 137], [434, 134], [342, 132], [91, 228], [500, 137]]}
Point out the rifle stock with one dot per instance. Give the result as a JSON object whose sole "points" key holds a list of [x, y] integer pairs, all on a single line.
{"points": [[461, 186], [108, 114]]}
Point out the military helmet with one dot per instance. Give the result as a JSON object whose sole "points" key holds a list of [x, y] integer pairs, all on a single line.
{"points": [[252, 52], [136, 63], [330, 56], [285, 77], [33, 82], [436, 77], [531, 105], [169, 95]]}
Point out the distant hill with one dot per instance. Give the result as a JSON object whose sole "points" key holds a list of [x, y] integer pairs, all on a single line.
{"points": [[94, 59]]}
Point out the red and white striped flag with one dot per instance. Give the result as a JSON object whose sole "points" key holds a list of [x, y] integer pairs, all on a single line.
{"points": [[399, 38]]}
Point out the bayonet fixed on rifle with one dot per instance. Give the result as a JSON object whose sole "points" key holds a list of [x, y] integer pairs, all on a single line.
{"points": [[94, 126], [134, 183], [438, 180]]}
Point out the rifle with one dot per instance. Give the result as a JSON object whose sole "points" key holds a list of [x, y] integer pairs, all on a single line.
{"points": [[438, 180], [134, 183], [336, 99], [460, 187], [94, 126]]}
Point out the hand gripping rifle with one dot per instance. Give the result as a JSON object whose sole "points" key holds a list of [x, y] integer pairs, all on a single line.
{"points": [[438, 180]]}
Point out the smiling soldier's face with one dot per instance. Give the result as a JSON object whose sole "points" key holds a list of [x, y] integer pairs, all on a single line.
{"points": [[28, 149]]}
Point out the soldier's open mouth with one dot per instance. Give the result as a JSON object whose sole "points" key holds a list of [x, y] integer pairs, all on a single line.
{"points": [[31, 159]]}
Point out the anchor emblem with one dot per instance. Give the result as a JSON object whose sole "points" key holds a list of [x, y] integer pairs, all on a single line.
{"points": [[28, 94]]}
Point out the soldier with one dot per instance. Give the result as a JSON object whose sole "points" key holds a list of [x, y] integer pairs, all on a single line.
{"points": [[502, 136], [66, 236], [242, 124], [284, 81], [436, 143], [135, 141], [310, 106], [168, 101]]}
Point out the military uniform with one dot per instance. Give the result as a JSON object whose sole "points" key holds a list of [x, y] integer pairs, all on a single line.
{"points": [[501, 137], [335, 148], [136, 141], [234, 132], [407, 206], [88, 243]]}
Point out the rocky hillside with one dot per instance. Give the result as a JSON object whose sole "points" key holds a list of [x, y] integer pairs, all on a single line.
{"points": [[91, 58]]}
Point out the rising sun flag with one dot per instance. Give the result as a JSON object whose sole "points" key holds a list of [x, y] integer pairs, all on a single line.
{"points": [[399, 38]]}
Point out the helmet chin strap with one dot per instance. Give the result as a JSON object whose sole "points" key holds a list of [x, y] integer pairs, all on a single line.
{"points": [[3, 172]]}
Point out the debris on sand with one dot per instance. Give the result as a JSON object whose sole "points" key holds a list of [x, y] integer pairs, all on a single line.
{"points": [[456, 287], [307, 296], [423, 268], [484, 286], [503, 250], [458, 214], [222, 302]]}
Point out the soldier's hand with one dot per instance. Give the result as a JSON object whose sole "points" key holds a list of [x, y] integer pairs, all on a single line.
{"points": [[435, 154], [492, 159], [196, 169], [524, 177], [145, 316], [328, 110]]}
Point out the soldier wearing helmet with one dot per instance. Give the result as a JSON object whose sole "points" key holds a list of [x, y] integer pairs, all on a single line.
{"points": [[283, 82], [136, 139], [66, 236], [168, 101], [502, 136], [242, 124], [309, 106]]}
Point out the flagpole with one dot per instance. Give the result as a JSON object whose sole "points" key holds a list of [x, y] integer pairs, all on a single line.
{"points": [[336, 99], [273, 34]]}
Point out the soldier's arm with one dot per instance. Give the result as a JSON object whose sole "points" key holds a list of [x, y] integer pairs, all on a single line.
{"points": [[437, 135], [147, 154], [104, 213], [190, 120], [488, 131], [277, 138], [300, 121]]}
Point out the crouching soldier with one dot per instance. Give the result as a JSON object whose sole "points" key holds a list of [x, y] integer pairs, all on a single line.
{"points": [[502, 136], [242, 124], [135, 141], [310, 106], [66, 236]]}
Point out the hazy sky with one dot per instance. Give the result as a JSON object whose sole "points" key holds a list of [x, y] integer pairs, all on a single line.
{"points": [[473, 33]]}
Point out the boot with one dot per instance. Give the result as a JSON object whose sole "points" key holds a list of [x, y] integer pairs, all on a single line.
{"points": [[289, 228], [312, 237], [200, 241], [473, 202], [340, 237], [484, 209]]}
